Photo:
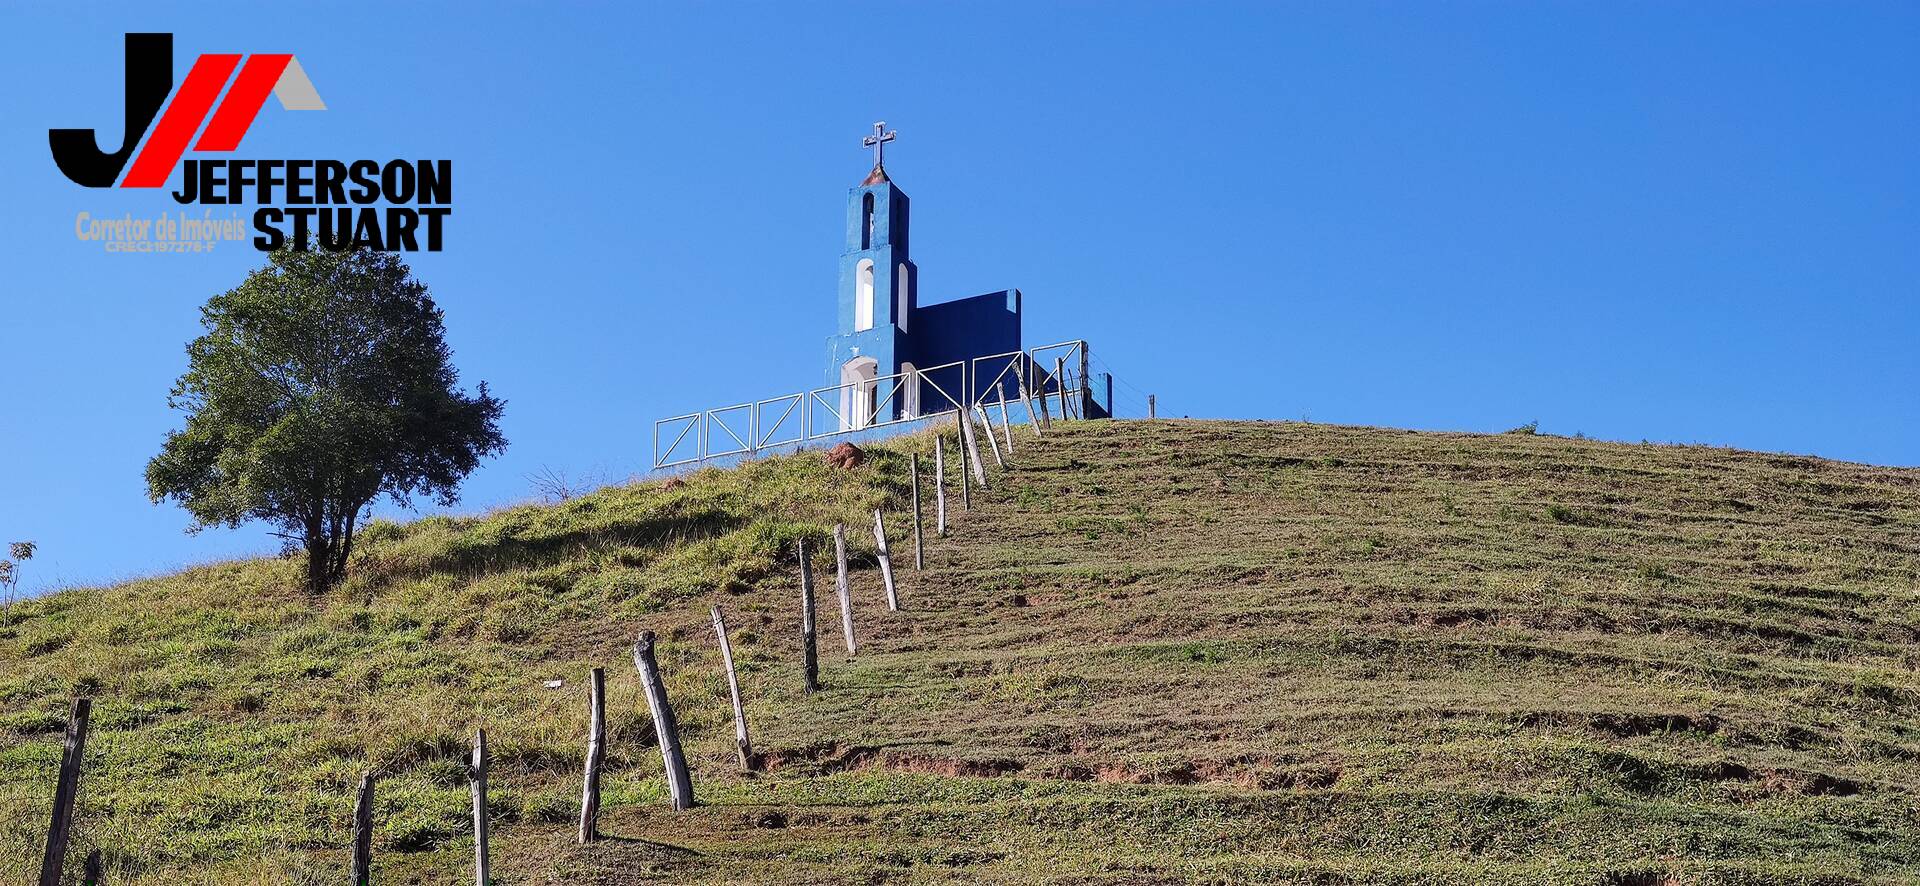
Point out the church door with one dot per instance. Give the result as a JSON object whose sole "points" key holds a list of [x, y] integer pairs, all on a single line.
{"points": [[858, 393]]}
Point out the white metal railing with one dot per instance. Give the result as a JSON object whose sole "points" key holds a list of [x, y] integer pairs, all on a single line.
{"points": [[1056, 371], [890, 401], [764, 431], [1015, 364], [716, 420], [664, 458]]}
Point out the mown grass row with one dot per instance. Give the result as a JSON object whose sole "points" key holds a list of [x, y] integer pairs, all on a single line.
{"points": [[1178, 651]]}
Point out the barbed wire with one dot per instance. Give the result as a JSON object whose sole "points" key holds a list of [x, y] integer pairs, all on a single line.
{"points": [[1136, 403]]}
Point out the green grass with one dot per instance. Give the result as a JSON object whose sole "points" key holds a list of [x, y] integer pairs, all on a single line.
{"points": [[1177, 651]]}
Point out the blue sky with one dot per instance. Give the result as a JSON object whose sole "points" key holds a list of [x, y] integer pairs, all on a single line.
{"points": [[1671, 222]]}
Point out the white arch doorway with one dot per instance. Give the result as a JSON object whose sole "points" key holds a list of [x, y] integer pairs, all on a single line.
{"points": [[858, 393], [909, 386]]}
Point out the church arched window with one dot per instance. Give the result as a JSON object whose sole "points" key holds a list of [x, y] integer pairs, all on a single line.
{"points": [[900, 299], [910, 389], [866, 221], [863, 295]]}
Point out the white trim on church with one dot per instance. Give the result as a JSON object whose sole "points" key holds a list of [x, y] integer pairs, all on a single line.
{"points": [[863, 296], [900, 298]]}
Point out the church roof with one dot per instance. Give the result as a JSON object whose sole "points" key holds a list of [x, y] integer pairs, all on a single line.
{"points": [[877, 176]]}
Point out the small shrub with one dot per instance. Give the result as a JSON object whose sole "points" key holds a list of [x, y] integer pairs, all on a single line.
{"points": [[419, 833], [34, 722], [1875, 687], [246, 702], [50, 643], [1202, 653], [549, 807], [446, 773], [1529, 429], [378, 532], [515, 622]]}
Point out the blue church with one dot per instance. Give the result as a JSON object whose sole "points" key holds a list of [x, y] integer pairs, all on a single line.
{"points": [[884, 327]]}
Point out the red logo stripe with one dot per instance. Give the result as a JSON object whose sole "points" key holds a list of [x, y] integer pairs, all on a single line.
{"points": [[176, 127], [244, 98]]}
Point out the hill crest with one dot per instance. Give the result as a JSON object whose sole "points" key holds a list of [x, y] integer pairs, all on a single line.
{"points": [[1173, 650]]}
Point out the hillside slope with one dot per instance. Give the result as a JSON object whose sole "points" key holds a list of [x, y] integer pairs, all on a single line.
{"points": [[1176, 651]]}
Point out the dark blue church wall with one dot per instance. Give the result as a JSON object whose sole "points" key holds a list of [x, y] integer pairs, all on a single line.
{"points": [[965, 328]]}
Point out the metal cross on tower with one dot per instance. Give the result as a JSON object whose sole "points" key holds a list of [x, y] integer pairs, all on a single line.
{"points": [[878, 142]]}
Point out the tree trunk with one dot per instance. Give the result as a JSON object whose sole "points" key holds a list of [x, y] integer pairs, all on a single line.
{"points": [[329, 544], [317, 557], [345, 540]]}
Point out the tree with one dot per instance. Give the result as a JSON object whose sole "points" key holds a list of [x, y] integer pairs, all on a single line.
{"points": [[17, 553], [321, 383]]}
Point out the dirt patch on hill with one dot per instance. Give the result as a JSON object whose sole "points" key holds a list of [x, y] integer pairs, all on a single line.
{"points": [[834, 757]]}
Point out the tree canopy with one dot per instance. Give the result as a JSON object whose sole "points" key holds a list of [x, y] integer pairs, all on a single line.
{"points": [[321, 383]]}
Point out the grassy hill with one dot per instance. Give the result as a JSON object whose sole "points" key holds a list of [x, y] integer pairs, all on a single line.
{"points": [[1166, 652]]}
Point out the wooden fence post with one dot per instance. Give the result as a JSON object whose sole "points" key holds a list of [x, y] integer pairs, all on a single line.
{"points": [[919, 549], [363, 833], [886, 560], [960, 448], [940, 485], [1149, 407], [1040, 396], [477, 774], [665, 727], [1006, 427], [1026, 397], [1060, 384], [742, 744], [809, 655], [993, 442], [840, 586], [64, 791], [971, 449], [1086, 383], [596, 753]]}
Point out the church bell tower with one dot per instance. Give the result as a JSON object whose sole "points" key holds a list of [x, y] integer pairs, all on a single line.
{"points": [[878, 289]]}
